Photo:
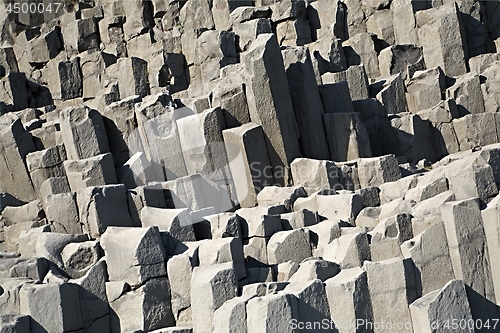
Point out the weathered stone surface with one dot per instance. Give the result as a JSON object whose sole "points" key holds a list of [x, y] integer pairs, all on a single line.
{"points": [[52, 306], [150, 305], [306, 101], [46, 164], [134, 254], [177, 222], [398, 273], [271, 313], [356, 78], [441, 37], [349, 251], [270, 104], [378, 170], [249, 166], [432, 243], [93, 171], [432, 310], [15, 145], [461, 220], [156, 120], [83, 132], [348, 298], [288, 245], [211, 286]]}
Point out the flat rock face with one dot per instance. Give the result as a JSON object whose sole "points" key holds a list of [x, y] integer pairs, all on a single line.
{"points": [[250, 166]]}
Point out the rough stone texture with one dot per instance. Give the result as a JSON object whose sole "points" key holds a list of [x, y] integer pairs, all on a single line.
{"points": [[249, 166]]}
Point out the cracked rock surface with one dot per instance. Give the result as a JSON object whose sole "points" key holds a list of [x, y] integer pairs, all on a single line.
{"points": [[255, 166]]}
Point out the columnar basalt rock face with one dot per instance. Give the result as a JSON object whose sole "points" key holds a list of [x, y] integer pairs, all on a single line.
{"points": [[250, 166]]}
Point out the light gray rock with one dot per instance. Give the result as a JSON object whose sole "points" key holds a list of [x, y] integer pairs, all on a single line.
{"points": [[248, 31], [180, 270], [52, 306], [431, 243], [197, 192], [275, 195], [312, 269], [491, 230], [93, 171], [211, 286], [397, 273], [176, 222], [121, 129], [474, 181], [231, 317], [78, 258], [49, 245], [15, 144], [101, 207], [248, 163], [202, 144], [93, 298], [401, 58], [392, 96], [134, 255], [467, 93], [327, 55], [156, 115], [378, 170], [46, 164], [150, 305], [133, 79], [434, 309], [225, 250], [424, 89], [349, 300], [462, 219], [349, 250], [312, 303], [300, 219], [388, 235], [83, 132], [359, 49], [315, 175], [472, 131], [271, 313], [356, 78], [289, 245], [443, 48]]}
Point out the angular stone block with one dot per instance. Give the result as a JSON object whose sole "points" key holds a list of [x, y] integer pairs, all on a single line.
{"points": [[177, 222], [248, 162], [134, 255], [378, 170], [52, 307], [430, 252], [289, 245], [146, 308], [306, 101], [83, 132], [391, 282], [432, 311], [270, 104], [348, 298], [211, 286], [92, 171]]}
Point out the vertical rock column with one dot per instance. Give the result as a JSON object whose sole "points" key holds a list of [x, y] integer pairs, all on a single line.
{"points": [[270, 104]]}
